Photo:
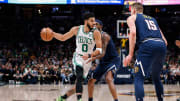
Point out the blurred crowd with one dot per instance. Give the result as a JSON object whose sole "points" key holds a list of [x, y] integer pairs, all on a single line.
{"points": [[171, 69], [51, 64], [47, 65]]}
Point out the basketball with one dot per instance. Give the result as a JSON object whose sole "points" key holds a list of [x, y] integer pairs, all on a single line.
{"points": [[46, 34]]}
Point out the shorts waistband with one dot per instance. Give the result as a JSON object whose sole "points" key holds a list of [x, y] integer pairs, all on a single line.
{"points": [[154, 39]]}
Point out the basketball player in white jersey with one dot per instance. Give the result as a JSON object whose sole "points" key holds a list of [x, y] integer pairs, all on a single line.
{"points": [[86, 39]]}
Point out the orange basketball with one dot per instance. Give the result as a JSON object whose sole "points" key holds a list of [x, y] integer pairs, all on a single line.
{"points": [[46, 34]]}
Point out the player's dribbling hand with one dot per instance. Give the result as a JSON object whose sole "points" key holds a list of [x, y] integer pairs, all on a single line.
{"points": [[85, 56], [177, 43], [127, 61]]}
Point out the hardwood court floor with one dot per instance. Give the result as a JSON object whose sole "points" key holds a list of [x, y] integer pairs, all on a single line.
{"points": [[101, 93]]}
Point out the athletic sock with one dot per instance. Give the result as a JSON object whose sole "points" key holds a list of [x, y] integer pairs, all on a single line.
{"points": [[160, 99], [79, 97], [139, 99], [90, 99], [64, 96]]}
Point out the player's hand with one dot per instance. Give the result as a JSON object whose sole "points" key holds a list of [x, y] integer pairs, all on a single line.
{"points": [[92, 59], [166, 43], [85, 56], [127, 61], [178, 43]]}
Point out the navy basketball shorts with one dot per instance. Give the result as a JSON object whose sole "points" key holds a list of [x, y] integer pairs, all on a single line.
{"points": [[150, 57], [104, 67]]}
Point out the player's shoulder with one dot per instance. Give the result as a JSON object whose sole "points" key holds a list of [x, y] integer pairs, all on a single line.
{"points": [[75, 28], [106, 36]]}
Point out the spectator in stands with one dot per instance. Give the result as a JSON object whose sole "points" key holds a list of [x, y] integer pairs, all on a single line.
{"points": [[63, 76], [28, 77], [164, 74], [18, 77], [57, 75], [178, 74], [42, 76], [49, 74], [34, 74]]}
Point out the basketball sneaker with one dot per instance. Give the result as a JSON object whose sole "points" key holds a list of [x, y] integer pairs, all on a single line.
{"points": [[60, 99]]}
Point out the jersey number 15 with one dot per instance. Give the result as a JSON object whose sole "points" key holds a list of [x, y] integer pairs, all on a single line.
{"points": [[151, 25]]}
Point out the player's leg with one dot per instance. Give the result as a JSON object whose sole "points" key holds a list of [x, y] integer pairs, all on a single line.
{"points": [[110, 72], [139, 86], [147, 54], [68, 94], [156, 70], [142, 65], [93, 75], [110, 81], [91, 89], [71, 91], [79, 82]]}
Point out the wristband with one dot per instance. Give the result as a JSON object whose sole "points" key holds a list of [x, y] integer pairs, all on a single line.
{"points": [[100, 50]]}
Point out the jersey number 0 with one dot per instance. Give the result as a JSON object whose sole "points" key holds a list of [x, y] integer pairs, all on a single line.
{"points": [[84, 47]]}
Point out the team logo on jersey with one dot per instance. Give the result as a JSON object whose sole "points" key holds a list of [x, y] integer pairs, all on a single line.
{"points": [[114, 71], [86, 40], [136, 69]]}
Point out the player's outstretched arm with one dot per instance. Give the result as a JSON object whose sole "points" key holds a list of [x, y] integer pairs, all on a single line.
{"points": [[98, 41], [132, 39], [66, 36]]}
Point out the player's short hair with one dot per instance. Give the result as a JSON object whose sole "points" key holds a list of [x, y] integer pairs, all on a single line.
{"points": [[88, 15], [138, 6]]}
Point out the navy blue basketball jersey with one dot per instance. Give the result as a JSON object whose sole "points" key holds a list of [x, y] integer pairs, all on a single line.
{"points": [[111, 51], [146, 27]]}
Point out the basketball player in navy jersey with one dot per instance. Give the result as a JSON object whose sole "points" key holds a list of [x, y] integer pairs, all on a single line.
{"points": [[109, 62], [145, 32]]}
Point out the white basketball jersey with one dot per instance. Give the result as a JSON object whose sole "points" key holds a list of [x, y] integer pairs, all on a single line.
{"points": [[85, 42]]}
